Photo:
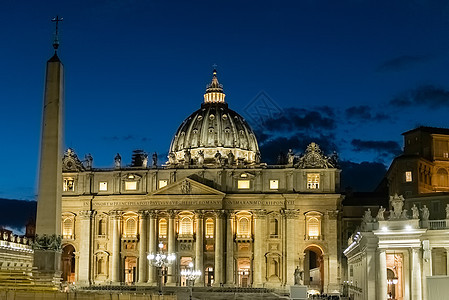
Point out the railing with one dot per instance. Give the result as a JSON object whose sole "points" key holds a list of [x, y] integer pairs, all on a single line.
{"points": [[436, 224]]}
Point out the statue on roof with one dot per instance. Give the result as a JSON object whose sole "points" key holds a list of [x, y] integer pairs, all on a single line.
{"points": [[314, 158], [154, 164], [117, 161]]}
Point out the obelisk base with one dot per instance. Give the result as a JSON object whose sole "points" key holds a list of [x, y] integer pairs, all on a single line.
{"points": [[47, 265]]}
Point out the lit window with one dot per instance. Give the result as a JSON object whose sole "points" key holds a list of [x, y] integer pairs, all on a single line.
{"points": [[186, 226], [209, 228], [313, 225], [130, 185], [408, 176], [244, 175], [131, 227], [274, 184], [446, 155], [103, 186], [163, 183], [313, 181], [67, 228], [243, 228], [68, 184], [243, 184], [162, 228]]}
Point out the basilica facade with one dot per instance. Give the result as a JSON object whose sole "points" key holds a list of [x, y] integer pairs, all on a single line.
{"points": [[213, 203]]}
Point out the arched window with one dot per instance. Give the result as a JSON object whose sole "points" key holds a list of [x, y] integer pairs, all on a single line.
{"points": [[102, 227], [274, 227], [131, 227], [100, 265], [209, 228], [442, 177], [244, 228], [163, 228], [67, 228], [313, 229], [186, 226]]}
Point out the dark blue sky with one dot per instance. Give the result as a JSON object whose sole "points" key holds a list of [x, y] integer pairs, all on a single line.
{"points": [[352, 74]]}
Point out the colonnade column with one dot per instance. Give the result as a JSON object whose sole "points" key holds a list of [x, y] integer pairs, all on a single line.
{"points": [[171, 280], [447, 261], [85, 261], [416, 274], [199, 244], [152, 280], [143, 261], [381, 274], [116, 256], [427, 266], [230, 272], [218, 270], [292, 255], [259, 241]]}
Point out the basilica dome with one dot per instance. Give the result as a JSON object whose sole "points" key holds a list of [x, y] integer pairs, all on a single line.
{"points": [[214, 134]]}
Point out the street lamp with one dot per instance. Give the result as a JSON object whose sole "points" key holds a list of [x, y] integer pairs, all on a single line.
{"points": [[191, 275], [161, 260]]}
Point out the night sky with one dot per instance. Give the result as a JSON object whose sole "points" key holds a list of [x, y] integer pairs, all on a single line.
{"points": [[351, 75]]}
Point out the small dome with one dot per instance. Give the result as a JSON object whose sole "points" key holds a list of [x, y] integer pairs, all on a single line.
{"points": [[212, 129]]}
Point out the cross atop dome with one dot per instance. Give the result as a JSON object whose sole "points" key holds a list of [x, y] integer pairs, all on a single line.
{"points": [[214, 91]]}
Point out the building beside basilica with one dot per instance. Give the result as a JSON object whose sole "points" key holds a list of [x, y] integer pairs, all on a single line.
{"points": [[213, 203]]}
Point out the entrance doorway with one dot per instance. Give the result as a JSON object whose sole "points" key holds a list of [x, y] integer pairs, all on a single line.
{"points": [[209, 276], [68, 264], [395, 276], [314, 268], [244, 272], [130, 270], [184, 265]]}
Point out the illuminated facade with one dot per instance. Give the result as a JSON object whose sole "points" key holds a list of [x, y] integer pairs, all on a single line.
{"points": [[399, 254], [214, 203]]}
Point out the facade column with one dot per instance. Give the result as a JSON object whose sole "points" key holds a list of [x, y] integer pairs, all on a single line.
{"points": [[291, 247], [427, 266], [381, 274], [85, 259], [218, 269], [152, 245], [199, 247], [116, 255], [171, 279], [447, 261], [415, 265], [230, 264], [370, 286], [143, 261], [259, 242]]}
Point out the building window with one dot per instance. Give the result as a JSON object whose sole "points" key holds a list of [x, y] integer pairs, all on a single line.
{"points": [[313, 227], [274, 228], [408, 176], [243, 184], [209, 228], [68, 184], [102, 227], [163, 183], [130, 185], [244, 227], [186, 226], [163, 228], [313, 181], [442, 178], [67, 228], [274, 184], [100, 266], [131, 227], [103, 186]]}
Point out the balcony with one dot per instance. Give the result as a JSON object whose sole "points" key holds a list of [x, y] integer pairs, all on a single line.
{"points": [[435, 224]]}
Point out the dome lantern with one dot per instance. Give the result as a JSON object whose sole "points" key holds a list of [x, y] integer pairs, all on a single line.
{"points": [[214, 91]]}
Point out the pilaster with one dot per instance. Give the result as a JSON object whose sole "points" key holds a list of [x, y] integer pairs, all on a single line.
{"points": [[381, 274], [85, 257], [152, 245], [218, 270], [259, 246], [143, 261], [230, 264], [199, 244], [116, 256], [171, 280]]}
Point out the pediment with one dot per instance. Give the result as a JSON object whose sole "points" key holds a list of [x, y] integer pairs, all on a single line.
{"points": [[187, 186]]}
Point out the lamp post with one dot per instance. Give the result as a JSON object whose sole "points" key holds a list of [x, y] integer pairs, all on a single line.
{"points": [[161, 260], [191, 275]]}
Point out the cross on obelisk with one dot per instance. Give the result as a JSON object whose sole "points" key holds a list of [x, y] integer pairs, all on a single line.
{"points": [[56, 40]]}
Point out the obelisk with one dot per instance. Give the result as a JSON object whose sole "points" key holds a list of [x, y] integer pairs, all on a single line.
{"points": [[47, 246]]}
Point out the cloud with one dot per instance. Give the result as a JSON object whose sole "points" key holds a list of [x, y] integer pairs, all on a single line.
{"points": [[364, 112], [384, 149], [402, 62], [427, 95], [361, 177], [298, 119]]}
